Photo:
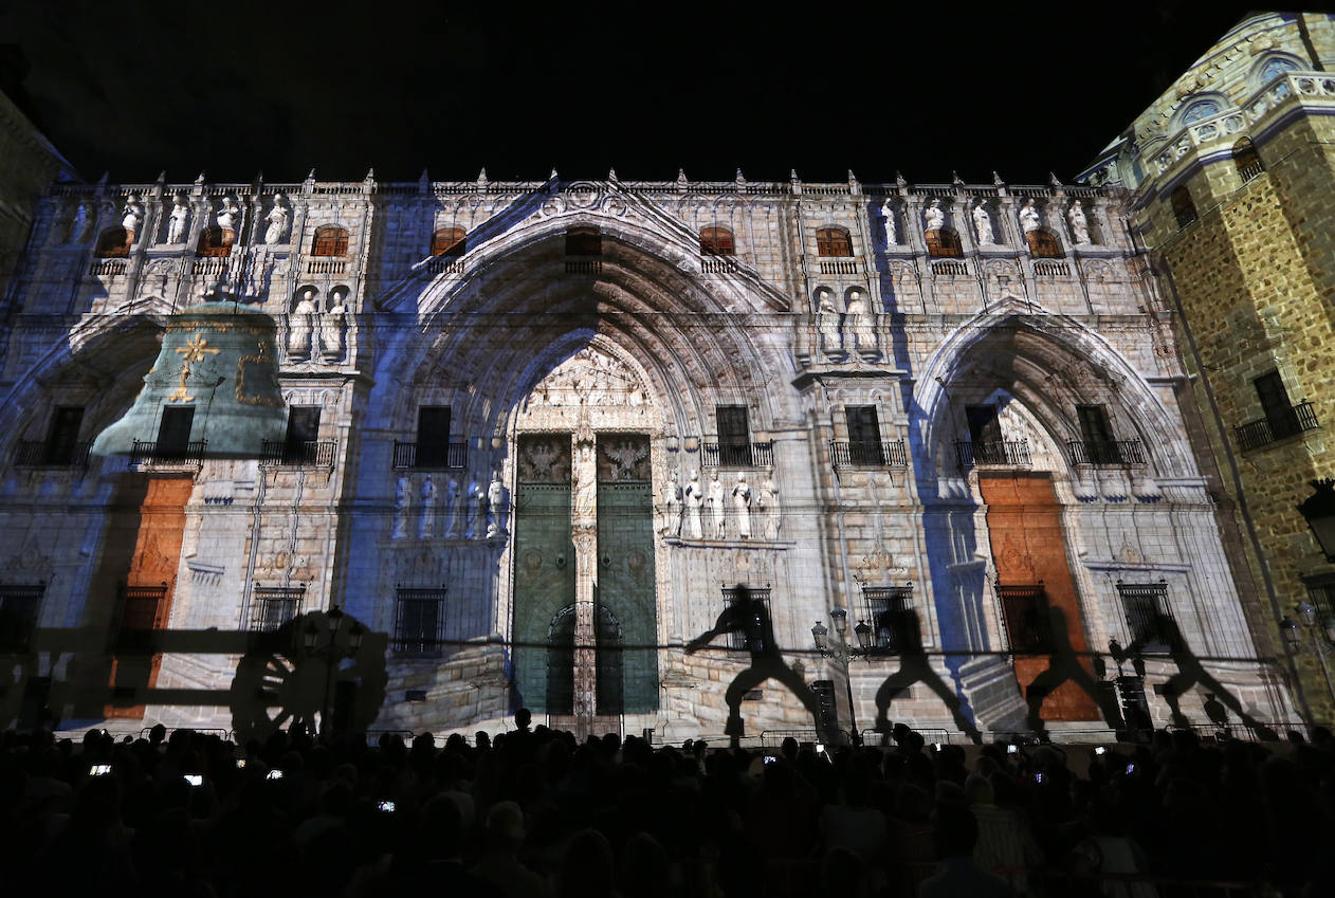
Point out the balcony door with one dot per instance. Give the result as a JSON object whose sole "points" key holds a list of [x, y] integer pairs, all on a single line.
{"points": [[174, 430]]}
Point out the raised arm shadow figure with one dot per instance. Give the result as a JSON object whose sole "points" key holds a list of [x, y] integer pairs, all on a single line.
{"points": [[1190, 672], [1064, 666], [750, 617], [916, 667]]}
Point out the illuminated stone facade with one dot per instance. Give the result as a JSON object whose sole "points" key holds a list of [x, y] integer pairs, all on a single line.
{"points": [[1232, 175]]}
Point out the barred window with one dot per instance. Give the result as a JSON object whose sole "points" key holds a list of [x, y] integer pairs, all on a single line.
{"points": [[19, 606], [1148, 616], [1028, 618], [449, 242], [273, 606], [330, 240], [889, 611], [834, 242], [717, 241], [751, 637], [1184, 208], [418, 620], [1247, 160], [1321, 593]]}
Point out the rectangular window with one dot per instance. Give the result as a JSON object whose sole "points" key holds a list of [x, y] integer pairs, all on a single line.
{"points": [[19, 606], [433, 436], [889, 611], [734, 436], [1275, 404], [984, 426], [174, 431], [1148, 616], [63, 436], [1096, 430], [419, 616], [751, 637], [1028, 618], [274, 606], [864, 436], [303, 433], [1321, 593]]}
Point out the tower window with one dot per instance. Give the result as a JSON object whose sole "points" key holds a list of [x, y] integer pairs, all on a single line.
{"points": [[717, 241], [834, 242], [1184, 209], [330, 240], [1247, 160]]}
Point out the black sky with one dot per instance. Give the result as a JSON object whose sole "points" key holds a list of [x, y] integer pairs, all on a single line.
{"points": [[233, 88]]}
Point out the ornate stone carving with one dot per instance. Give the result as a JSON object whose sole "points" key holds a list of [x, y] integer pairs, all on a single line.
{"points": [[333, 323], [79, 224], [495, 505], [934, 216], [982, 224], [279, 219], [454, 509], [590, 378], [767, 503], [888, 222], [695, 500], [672, 505], [1079, 224], [229, 216], [179, 221], [717, 511], [301, 325], [741, 504], [1030, 220], [132, 216], [625, 460], [860, 324], [426, 522], [402, 498], [828, 321]]}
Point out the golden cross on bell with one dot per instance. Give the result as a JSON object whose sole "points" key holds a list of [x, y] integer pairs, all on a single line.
{"points": [[195, 350]]}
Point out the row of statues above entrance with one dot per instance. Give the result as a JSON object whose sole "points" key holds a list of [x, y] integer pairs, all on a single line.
{"points": [[850, 332], [316, 330], [686, 508], [469, 510], [227, 215], [1030, 218]]}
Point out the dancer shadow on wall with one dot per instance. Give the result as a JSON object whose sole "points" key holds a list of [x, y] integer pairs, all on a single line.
{"points": [[749, 617], [1165, 637], [915, 667], [1063, 667]]}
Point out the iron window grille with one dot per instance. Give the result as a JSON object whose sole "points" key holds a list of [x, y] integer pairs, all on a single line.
{"points": [[273, 606], [1321, 593], [1028, 618], [888, 609], [19, 606], [752, 638], [419, 621], [1148, 616]]}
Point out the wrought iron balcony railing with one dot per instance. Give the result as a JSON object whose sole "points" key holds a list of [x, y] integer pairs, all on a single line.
{"points": [[738, 455], [1278, 425], [1112, 452], [144, 452], [307, 453], [430, 456], [992, 452], [864, 454], [41, 454]]}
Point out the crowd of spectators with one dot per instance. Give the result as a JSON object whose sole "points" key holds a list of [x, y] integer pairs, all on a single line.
{"points": [[534, 813]]}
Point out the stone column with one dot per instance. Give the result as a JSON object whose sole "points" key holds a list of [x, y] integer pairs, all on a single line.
{"points": [[584, 534]]}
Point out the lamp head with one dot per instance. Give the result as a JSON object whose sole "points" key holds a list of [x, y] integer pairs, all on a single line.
{"points": [[863, 631], [821, 635], [840, 618]]}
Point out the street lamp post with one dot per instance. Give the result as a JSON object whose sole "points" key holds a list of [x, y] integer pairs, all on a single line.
{"points": [[1321, 630], [843, 653], [331, 653]]}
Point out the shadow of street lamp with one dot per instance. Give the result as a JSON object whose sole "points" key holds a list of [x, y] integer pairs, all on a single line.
{"points": [[842, 653]]}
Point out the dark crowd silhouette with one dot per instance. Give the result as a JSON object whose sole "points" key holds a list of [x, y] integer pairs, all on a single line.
{"points": [[532, 812]]}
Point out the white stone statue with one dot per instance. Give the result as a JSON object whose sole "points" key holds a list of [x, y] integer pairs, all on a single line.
{"points": [[860, 323], [1079, 224], [935, 216], [695, 501], [229, 216], [402, 498], [454, 509], [179, 222], [888, 219], [717, 512], [585, 474], [831, 337], [132, 216], [1029, 217], [982, 224], [768, 502], [741, 504], [83, 217], [426, 523], [474, 502], [300, 324], [495, 505], [332, 325], [672, 505], [278, 219]]}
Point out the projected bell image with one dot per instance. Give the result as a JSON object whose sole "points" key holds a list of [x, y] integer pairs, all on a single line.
{"points": [[212, 393]]}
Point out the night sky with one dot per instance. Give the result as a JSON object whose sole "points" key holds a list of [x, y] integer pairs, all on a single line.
{"points": [[233, 88]]}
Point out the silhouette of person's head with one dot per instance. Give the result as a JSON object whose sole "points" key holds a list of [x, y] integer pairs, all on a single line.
{"points": [[954, 830], [587, 869], [523, 717], [741, 596]]}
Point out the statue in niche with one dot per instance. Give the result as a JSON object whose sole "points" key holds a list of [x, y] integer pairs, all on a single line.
{"points": [[474, 501], [695, 501], [495, 505], [859, 322], [402, 498], [1029, 217], [426, 524], [229, 216], [718, 513], [332, 325], [278, 219], [982, 224], [83, 217], [768, 503], [300, 325], [1079, 224], [179, 221], [584, 470], [453, 509], [935, 216], [831, 337], [672, 505], [741, 503], [132, 216], [888, 218]]}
